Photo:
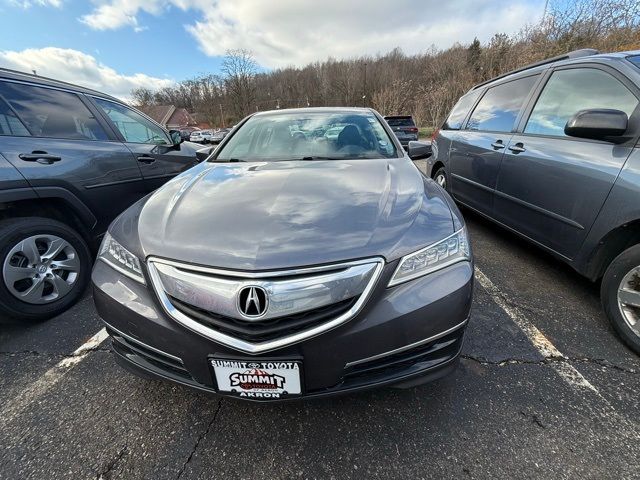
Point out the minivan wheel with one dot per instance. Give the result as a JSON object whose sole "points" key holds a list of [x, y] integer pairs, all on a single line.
{"points": [[620, 293], [441, 178], [44, 268]]}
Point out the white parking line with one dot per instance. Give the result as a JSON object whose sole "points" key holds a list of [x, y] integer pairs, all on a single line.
{"points": [[52, 376], [547, 349]]}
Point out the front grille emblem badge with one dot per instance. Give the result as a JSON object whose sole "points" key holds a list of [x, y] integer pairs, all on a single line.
{"points": [[252, 301]]}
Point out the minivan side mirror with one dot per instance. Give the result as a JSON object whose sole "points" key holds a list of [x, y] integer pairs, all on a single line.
{"points": [[176, 137], [597, 124], [419, 150]]}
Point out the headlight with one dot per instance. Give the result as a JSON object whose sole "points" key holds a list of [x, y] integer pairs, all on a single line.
{"points": [[452, 249], [121, 259]]}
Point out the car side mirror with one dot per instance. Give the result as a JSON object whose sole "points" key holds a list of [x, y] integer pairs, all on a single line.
{"points": [[176, 137], [597, 124], [419, 150], [203, 153]]}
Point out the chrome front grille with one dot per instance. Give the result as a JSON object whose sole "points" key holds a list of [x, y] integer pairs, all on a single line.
{"points": [[301, 303]]}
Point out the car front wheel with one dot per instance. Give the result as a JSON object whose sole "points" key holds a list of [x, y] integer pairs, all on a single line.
{"points": [[620, 293], [44, 268]]}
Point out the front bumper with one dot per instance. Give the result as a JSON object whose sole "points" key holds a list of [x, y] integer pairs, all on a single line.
{"points": [[405, 335]]}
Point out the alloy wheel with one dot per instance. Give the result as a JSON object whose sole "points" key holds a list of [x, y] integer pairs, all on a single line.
{"points": [[41, 269], [629, 299], [441, 180]]}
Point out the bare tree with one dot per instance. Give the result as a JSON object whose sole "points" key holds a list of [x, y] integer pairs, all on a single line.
{"points": [[239, 68]]}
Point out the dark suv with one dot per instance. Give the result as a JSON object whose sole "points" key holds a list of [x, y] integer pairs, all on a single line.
{"points": [[71, 159], [551, 152], [404, 128]]}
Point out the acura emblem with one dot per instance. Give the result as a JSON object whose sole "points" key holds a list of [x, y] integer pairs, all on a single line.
{"points": [[252, 301]]}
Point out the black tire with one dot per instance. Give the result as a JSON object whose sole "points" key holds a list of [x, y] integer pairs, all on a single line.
{"points": [[441, 171], [12, 232], [616, 272]]}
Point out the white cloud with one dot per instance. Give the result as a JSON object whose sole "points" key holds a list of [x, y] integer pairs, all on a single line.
{"points": [[39, 3], [295, 32], [78, 68]]}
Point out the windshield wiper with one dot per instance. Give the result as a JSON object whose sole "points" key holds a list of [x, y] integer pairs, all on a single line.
{"points": [[321, 158], [230, 160]]}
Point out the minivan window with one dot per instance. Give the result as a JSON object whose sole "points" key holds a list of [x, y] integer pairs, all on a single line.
{"points": [[569, 91], [498, 109], [52, 113], [133, 126], [9, 123], [460, 111], [635, 59]]}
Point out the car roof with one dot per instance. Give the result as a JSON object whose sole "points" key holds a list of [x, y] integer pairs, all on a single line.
{"points": [[9, 74], [397, 116], [575, 57], [315, 110]]}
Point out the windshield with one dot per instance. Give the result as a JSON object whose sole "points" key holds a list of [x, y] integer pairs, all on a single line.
{"points": [[308, 135]]}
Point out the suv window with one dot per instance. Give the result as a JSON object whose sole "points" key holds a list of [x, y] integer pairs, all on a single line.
{"points": [[52, 113], [400, 121], [569, 91], [10, 124], [499, 107], [134, 127], [460, 111]]}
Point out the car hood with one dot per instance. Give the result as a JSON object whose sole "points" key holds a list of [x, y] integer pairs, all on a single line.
{"points": [[272, 215]]}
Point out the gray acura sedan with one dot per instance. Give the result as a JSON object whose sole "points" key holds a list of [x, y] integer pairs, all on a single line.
{"points": [[291, 263]]}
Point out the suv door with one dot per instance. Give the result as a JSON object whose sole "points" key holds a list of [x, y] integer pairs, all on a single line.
{"points": [[551, 186], [159, 159], [476, 151], [56, 141]]}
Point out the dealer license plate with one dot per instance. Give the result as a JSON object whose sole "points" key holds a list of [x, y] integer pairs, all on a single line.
{"points": [[253, 379]]}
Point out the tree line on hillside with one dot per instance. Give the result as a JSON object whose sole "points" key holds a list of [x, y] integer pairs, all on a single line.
{"points": [[425, 85]]}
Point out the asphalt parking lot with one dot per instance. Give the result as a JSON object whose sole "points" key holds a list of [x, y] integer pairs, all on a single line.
{"points": [[544, 390]]}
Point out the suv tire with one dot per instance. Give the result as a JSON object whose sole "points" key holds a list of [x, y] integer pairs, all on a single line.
{"points": [[441, 178], [623, 272], [32, 286]]}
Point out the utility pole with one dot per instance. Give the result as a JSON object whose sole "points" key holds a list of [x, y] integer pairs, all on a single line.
{"points": [[364, 89], [221, 116]]}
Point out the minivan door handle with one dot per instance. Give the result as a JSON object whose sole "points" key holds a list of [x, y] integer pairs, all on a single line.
{"points": [[517, 148], [39, 156], [146, 159], [498, 145]]}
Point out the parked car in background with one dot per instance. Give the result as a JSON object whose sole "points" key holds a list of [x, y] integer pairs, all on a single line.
{"points": [[551, 152], [404, 128], [219, 135], [185, 133], [334, 266], [71, 159], [201, 136]]}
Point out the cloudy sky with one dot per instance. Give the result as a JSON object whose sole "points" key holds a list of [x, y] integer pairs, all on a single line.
{"points": [[117, 45]]}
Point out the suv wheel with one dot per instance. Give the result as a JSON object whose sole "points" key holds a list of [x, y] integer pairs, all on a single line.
{"points": [[441, 178], [620, 293], [44, 268]]}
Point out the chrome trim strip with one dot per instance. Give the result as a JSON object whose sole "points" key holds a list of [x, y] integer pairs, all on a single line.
{"points": [[144, 345], [263, 273], [257, 348], [407, 347], [123, 271]]}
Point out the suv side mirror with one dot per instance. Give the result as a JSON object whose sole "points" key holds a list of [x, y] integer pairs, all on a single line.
{"points": [[419, 150], [176, 137], [597, 124]]}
